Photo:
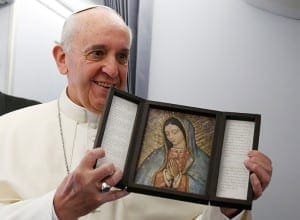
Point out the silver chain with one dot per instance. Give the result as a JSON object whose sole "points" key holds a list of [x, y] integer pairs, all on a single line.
{"points": [[62, 138], [63, 142]]}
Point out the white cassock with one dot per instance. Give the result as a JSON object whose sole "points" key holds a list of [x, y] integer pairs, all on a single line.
{"points": [[32, 165]]}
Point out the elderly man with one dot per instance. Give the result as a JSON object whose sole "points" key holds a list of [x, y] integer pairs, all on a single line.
{"points": [[46, 155]]}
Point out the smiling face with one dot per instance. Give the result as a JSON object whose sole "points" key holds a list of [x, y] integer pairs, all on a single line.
{"points": [[96, 57]]}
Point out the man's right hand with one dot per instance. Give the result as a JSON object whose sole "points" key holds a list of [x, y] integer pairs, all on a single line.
{"points": [[80, 192]]}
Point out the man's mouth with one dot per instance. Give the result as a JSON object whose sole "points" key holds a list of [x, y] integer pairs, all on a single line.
{"points": [[104, 84]]}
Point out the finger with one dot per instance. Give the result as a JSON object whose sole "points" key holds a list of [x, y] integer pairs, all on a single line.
{"points": [[261, 165], [261, 158], [91, 156], [176, 164], [256, 186], [111, 196], [103, 171], [258, 154], [115, 178], [175, 167], [261, 173], [169, 168], [173, 163], [172, 167], [266, 166]]}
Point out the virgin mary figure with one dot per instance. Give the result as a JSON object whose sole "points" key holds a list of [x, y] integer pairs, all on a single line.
{"points": [[179, 164]]}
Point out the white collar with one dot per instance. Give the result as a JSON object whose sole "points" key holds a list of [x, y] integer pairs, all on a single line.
{"points": [[76, 112]]}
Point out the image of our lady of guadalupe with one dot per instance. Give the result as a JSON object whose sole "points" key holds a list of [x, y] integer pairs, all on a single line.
{"points": [[179, 164]]}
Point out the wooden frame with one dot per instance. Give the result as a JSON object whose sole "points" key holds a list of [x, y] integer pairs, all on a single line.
{"points": [[179, 152]]}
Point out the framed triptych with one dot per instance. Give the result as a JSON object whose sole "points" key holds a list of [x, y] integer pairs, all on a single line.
{"points": [[179, 152]]}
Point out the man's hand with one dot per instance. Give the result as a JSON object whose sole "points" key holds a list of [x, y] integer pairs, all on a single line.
{"points": [[79, 193], [261, 167]]}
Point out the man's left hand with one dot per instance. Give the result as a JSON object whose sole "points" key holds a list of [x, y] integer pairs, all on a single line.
{"points": [[261, 167]]}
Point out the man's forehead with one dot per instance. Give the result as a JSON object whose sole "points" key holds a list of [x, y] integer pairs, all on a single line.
{"points": [[95, 22], [102, 37]]}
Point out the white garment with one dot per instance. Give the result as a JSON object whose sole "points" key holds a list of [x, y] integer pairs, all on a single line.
{"points": [[32, 165]]}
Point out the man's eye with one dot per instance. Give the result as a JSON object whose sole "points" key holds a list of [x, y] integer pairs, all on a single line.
{"points": [[95, 55], [123, 58]]}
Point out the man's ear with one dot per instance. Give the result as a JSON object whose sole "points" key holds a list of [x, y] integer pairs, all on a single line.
{"points": [[60, 59]]}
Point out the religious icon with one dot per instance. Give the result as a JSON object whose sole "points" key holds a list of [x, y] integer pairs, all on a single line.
{"points": [[176, 151]]}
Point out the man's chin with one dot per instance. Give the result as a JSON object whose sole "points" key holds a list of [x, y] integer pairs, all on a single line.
{"points": [[97, 108]]}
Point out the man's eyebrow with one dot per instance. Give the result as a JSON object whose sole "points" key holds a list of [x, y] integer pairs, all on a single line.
{"points": [[95, 47], [125, 50], [101, 47]]}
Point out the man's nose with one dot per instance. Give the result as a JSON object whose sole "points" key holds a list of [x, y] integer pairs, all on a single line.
{"points": [[110, 67]]}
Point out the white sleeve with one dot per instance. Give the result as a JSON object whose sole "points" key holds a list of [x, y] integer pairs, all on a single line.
{"points": [[37, 208], [216, 214]]}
